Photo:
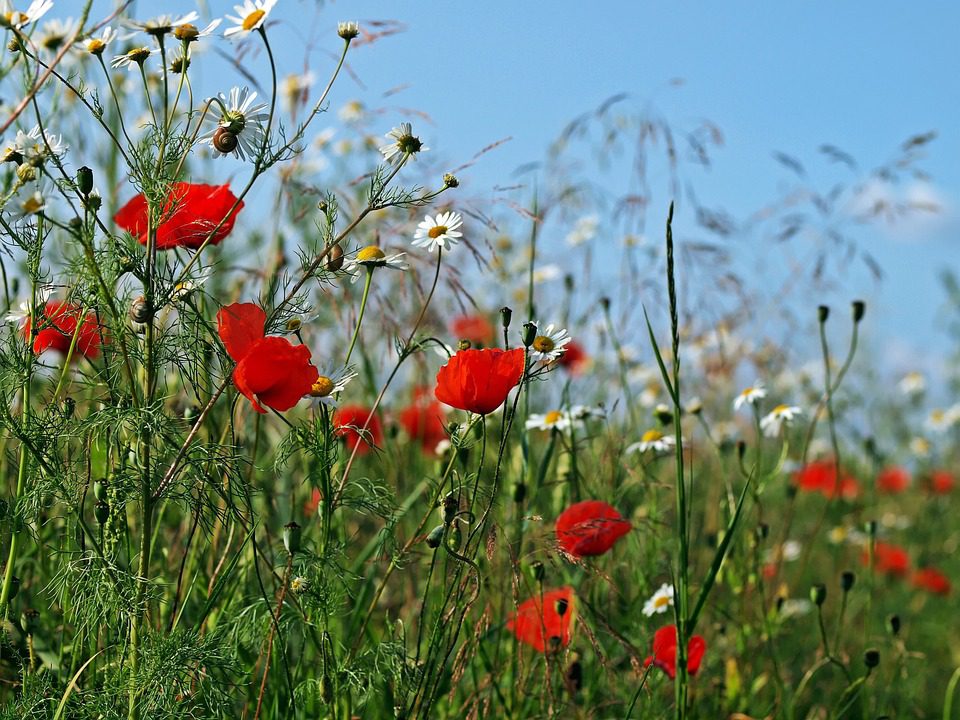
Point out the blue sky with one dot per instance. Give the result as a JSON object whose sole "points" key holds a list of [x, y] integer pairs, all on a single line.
{"points": [[773, 76]]}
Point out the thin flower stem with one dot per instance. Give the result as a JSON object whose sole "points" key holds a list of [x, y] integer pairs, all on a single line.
{"points": [[363, 307]]}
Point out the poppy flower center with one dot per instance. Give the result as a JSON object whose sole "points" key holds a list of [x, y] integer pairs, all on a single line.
{"points": [[553, 417], [543, 344], [251, 20], [322, 387], [435, 232], [652, 436], [371, 253]]}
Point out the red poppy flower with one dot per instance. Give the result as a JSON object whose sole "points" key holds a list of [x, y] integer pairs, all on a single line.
{"points": [[270, 370], [190, 214], [575, 359], [941, 482], [665, 651], [537, 624], [475, 328], [58, 323], [423, 420], [931, 580], [479, 380], [348, 421], [888, 559], [821, 476], [893, 480], [590, 528]]}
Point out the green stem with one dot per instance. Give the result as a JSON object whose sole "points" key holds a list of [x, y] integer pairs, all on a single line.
{"points": [[363, 307]]}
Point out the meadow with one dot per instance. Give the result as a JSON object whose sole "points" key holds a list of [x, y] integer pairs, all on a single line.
{"points": [[295, 427]]}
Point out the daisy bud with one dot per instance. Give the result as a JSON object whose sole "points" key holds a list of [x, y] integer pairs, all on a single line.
{"points": [[529, 333], [186, 32], [818, 594], [14, 45], [450, 181], [663, 414], [291, 537], [85, 180], [335, 259], [464, 345], [101, 511], [435, 537], [348, 30], [506, 315], [100, 488], [299, 585], [893, 625], [94, 201], [847, 579], [179, 65], [26, 173], [823, 312], [871, 658], [294, 324], [859, 308]]}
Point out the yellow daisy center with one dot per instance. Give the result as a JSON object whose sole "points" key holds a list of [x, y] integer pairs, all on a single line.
{"points": [[780, 409], [96, 46], [552, 417], [322, 387], [661, 601], [651, 436], [251, 20], [747, 392], [32, 205], [541, 343], [370, 253], [436, 231]]}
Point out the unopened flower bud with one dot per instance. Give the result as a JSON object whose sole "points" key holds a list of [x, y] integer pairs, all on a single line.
{"points": [[605, 303], [85, 180], [562, 606], [101, 511], [435, 537], [100, 488], [451, 505], [28, 620], [823, 312], [69, 407], [94, 200], [818, 594], [871, 658], [519, 492], [450, 181], [859, 308], [26, 173], [663, 414], [871, 528], [506, 315], [348, 30], [186, 32], [893, 625], [539, 571], [291, 537], [529, 333], [847, 579]]}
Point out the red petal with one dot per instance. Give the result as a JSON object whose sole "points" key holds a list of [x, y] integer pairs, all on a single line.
{"points": [[535, 628], [240, 325], [590, 528], [695, 651], [275, 372], [479, 381]]}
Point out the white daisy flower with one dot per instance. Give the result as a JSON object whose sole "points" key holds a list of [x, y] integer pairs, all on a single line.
{"points": [[188, 32], [17, 19], [348, 30], [781, 415], [20, 316], [553, 420], [31, 205], [795, 607], [584, 230], [913, 383], [659, 602], [163, 24], [250, 16], [920, 446], [330, 384], [750, 395], [294, 89], [550, 344], [438, 232], [184, 289], [546, 273], [352, 112], [404, 143], [133, 59], [653, 440], [54, 34], [582, 412], [34, 147], [372, 257], [940, 420], [239, 126], [96, 45]]}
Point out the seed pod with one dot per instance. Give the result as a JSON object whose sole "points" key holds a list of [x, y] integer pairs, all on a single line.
{"points": [[847, 579], [102, 512], [291, 537], [893, 625], [823, 312], [529, 333], [818, 594], [859, 308], [506, 315], [562, 606], [519, 492], [871, 658], [28, 620], [435, 537], [100, 488], [335, 259], [225, 141], [85, 180]]}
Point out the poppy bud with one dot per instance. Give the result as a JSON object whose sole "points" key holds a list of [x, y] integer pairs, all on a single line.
{"points": [[818, 594], [741, 449], [450, 181], [562, 606], [529, 334], [847, 579], [871, 658], [859, 308], [568, 282], [871, 528], [100, 488], [539, 571], [102, 512], [435, 537], [893, 625], [506, 315], [291, 537], [85, 180], [69, 407], [335, 259], [326, 689], [823, 312], [519, 492]]}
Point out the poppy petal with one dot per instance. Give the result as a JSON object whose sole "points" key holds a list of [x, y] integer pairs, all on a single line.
{"points": [[240, 325]]}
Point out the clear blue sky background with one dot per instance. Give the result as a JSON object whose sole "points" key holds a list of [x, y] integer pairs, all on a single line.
{"points": [[774, 76]]}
